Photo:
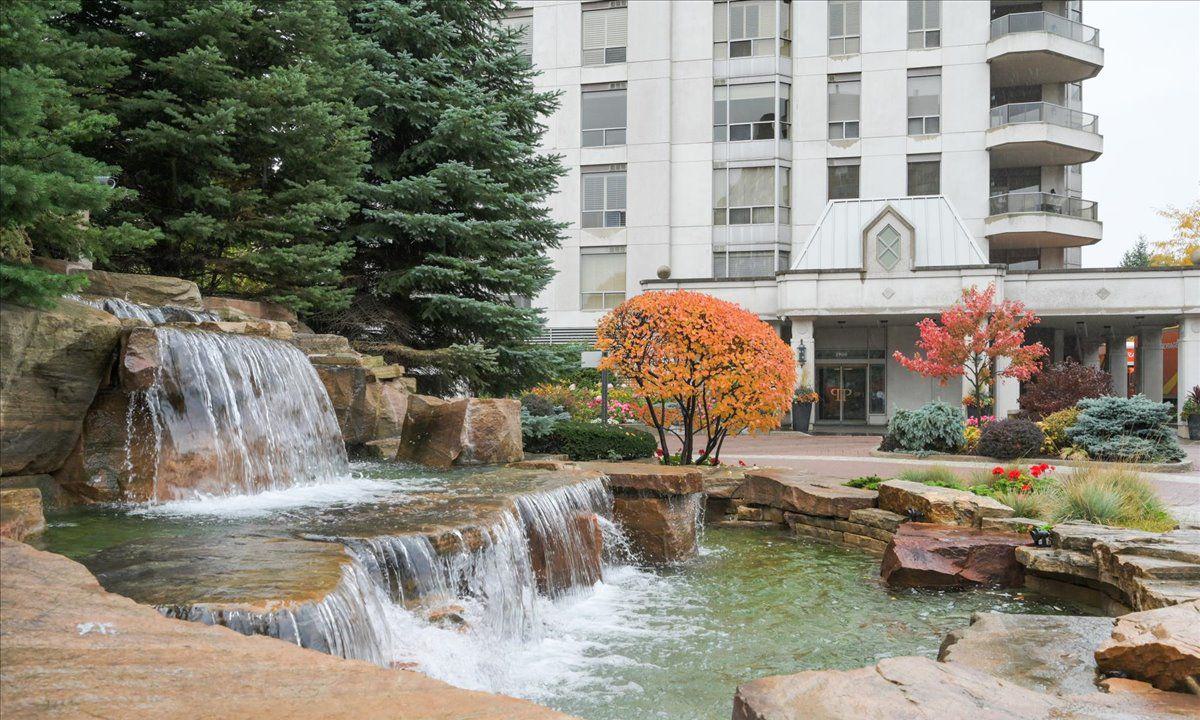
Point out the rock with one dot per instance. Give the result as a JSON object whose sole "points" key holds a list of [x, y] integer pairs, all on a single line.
{"points": [[153, 290], [389, 403], [262, 309], [469, 431], [657, 479], [1047, 653], [562, 561], [262, 328], [347, 390], [939, 505], [922, 555], [72, 650], [63, 267], [387, 372], [140, 359], [383, 450], [877, 518], [1017, 525], [491, 432], [51, 364], [776, 488], [1161, 647], [1057, 562], [661, 530], [313, 344], [538, 464], [450, 616], [916, 688], [21, 513]]}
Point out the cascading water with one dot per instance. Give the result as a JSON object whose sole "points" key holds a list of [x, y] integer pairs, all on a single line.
{"points": [[232, 414], [155, 315]]}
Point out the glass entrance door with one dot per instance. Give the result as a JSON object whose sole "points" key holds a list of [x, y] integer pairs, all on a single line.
{"points": [[843, 392]]}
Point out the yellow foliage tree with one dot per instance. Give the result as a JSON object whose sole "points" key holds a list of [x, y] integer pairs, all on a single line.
{"points": [[1185, 238], [700, 365]]}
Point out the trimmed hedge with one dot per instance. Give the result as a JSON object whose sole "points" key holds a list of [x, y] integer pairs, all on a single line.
{"points": [[593, 441], [1011, 439], [1135, 429], [935, 427]]}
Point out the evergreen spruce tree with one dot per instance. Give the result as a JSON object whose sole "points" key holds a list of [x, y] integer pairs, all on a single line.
{"points": [[49, 83], [1137, 256], [453, 229], [239, 129]]}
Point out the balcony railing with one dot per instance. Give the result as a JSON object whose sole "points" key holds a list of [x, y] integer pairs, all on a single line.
{"points": [[1045, 22], [1044, 112], [1040, 202]]}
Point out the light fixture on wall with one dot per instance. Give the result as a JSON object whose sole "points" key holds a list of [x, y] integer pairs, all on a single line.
{"points": [[802, 353]]}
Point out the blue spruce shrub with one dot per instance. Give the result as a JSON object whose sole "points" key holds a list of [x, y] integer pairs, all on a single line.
{"points": [[935, 427], [1135, 429]]}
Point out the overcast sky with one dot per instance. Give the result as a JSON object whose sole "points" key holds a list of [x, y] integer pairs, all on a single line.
{"points": [[1148, 100]]}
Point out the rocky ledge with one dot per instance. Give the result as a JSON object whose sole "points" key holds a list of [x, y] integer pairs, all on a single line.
{"points": [[73, 650], [921, 555], [658, 506]]}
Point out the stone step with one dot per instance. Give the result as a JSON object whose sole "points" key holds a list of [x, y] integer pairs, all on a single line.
{"points": [[796, 493], [1164, 593], [372, 361], [314, 343], [1159, 568], [877, 518], [1055, 561], [387, 372], [346, 359]]}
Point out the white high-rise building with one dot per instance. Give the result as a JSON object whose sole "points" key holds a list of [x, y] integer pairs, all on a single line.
{"points": [[842, 168]]}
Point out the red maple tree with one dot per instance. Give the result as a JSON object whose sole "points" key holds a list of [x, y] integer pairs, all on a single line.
{"points": [[968, 339]]}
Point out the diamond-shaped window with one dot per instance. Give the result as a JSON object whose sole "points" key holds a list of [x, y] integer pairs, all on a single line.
{"points": [[887, 247]]}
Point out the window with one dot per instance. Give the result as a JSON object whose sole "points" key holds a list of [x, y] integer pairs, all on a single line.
{"points": [[1024, 259], [603, 198], [924, 175], [845, 94], [523, 25], [601, 277], [748, 29], [746, 263], [844, 26], [747, 112], [605, 33], [747, 196], [1010, 180], [843, 178], [887, 247], [924, 24], [603, 114], [924, 101]]}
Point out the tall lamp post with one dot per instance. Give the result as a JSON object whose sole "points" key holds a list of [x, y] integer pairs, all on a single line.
{"points": [[591, 359]]}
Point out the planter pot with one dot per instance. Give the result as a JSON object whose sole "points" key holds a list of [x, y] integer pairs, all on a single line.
{"points": [[801, 416], [1193, 424]]}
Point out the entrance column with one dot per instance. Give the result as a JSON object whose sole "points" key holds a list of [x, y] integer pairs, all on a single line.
{"points": [[1150, 363], [1060, 342], [803, 337], [1118, 363], [1189, 357], [1091, 353], [1008, 391]]}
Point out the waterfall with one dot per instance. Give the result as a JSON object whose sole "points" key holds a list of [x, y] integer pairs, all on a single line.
{"points": [[231, 414], [155, 315]]}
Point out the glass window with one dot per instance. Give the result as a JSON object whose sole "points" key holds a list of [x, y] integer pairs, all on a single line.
{"points": [[845, 95], [924, 24], [924, 101], [747, 196], [743, 263], [747, 112], [1010, 180], [605, 34], [603, 200], [524, 27], [747, 28], [1024, 259], [603, 115], [924, 176], [887, 246], [843, 179], [878, 389], [601, 277], [844, 26]]}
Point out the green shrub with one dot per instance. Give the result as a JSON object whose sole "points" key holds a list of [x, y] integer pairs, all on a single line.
{"points": [[539, 405], [593, 441], [935, 427], [1010, 439], [1024, 504], [938, 476], [1133, 429], [867, 482], [536, 428], [1118, 497], [1054, 427]]}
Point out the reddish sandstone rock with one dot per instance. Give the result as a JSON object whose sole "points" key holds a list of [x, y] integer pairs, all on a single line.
{"points": [[153, 290], [1161, 647], [661, 529], [21, 513], [657, 479], [939, 505], [491, 432], [140, 359], [781, 489], [469, 431], [938, 556], [562, 561]]}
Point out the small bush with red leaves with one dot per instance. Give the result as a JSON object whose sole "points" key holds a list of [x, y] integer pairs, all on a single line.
{"points": [[1011, 439], [1061, 385]]}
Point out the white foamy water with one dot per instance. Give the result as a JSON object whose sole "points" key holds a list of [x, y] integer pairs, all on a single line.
{"points": [[346, 490]]}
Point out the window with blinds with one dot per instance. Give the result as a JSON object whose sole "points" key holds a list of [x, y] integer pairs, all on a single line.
{"points": [[845, 96], [605, 34], [843, 178], [603, 114], [748, 196], [748, 112], [747, 263], [924, 175], [603, 199], [601, 277], [845, 27], [924, 24], [924, 101], [750, 28], [523, 26]]}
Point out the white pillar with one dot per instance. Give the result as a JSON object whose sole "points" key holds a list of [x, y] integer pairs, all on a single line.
{"points": [[1189, 356], [1060, 342], [806, 375], [1150, 363], [1118, 364], [1008, 391]]}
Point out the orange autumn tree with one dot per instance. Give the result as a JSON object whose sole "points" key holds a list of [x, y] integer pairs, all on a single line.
{"points": [[702, 367]]}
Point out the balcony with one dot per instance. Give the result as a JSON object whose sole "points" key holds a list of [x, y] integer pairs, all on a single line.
{"points": [[1038, 48], [1021, 220], [1039, 133]]}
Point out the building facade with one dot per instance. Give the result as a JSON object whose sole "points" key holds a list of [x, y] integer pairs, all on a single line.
{"points": [[842, 168]]}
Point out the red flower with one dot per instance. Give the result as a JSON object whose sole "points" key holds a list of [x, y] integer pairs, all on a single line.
{"points": [[1026, 487], [1014, 474], [1035, 471], [658, 452], [997, 470], [742, 463]]}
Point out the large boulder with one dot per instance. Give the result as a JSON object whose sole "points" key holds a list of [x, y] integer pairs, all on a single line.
{"points": [[144, 289], [21, 513], [663, 480], [565, 560], [261, 309], [661, 529], [51, 364], [921, 555], [468, 431], [1161, 647], [939, 505], [347, 389], [779, 489]]}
